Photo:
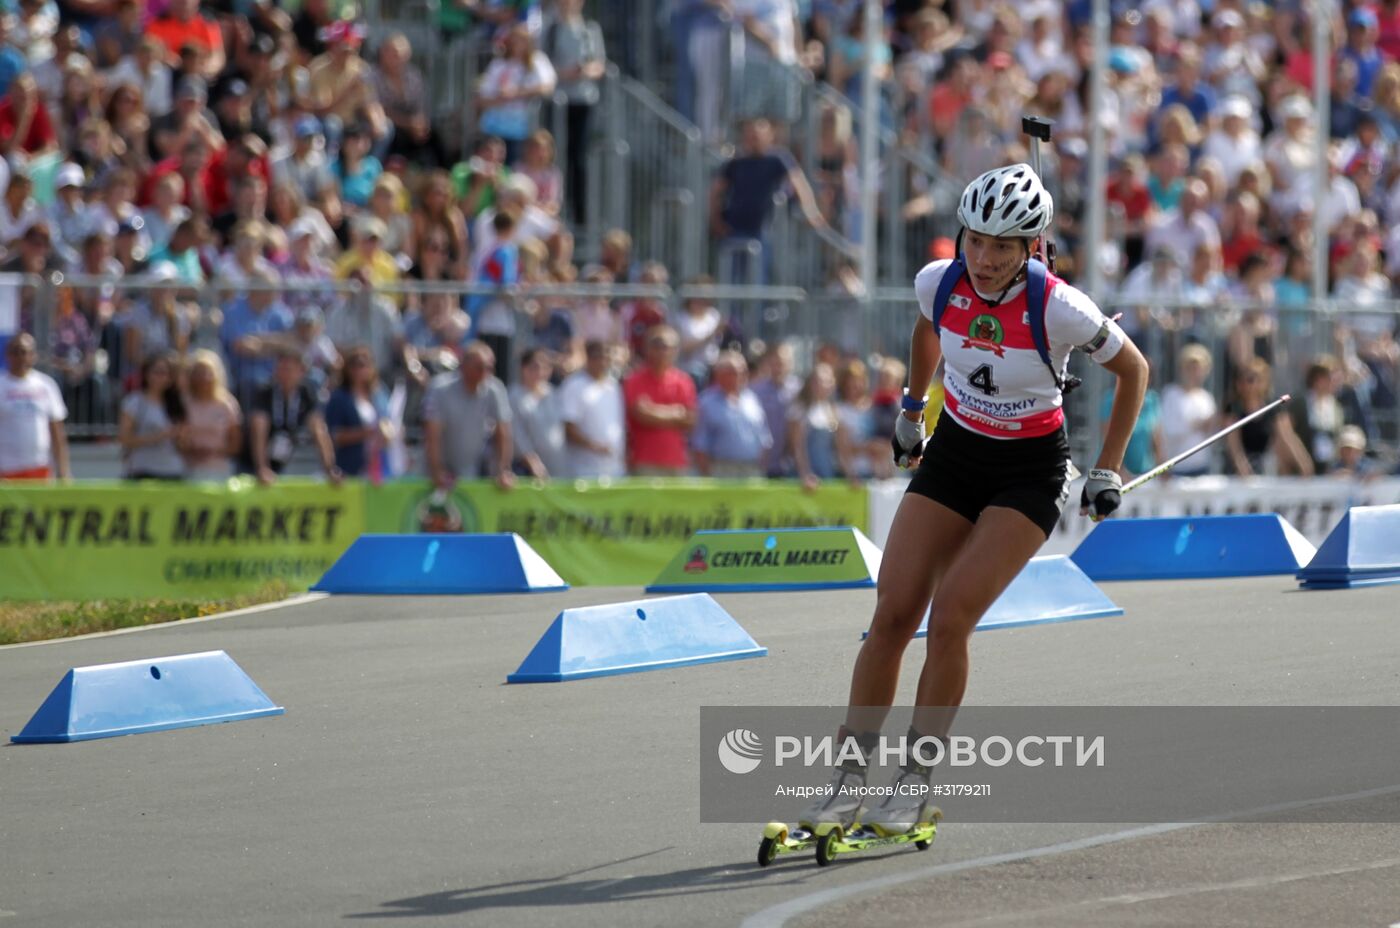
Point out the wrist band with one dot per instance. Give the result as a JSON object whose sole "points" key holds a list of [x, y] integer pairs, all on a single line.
{"points": [[909, 404]]}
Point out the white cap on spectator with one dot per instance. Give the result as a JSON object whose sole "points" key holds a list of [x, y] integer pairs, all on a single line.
{"points": [[162, 270], [1295, 106], [68, 175], [1352, 437], [371, 227], [1237, 105], [300, 228], [1229, 19], [523, 185]]}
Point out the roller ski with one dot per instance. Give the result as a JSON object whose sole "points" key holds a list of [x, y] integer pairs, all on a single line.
{"points": [[833, 822]]}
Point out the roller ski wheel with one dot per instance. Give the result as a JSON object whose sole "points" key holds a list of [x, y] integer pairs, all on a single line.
{"points": [[778, 839], [832, 840]]}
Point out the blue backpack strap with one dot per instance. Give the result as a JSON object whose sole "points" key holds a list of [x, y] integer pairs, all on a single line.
{"points": [[951, 276], [1037, 290]]}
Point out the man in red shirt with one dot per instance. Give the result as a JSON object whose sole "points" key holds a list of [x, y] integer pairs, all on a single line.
{"points": [[193, 164], [660, 400], [24, 120], [183, 24]]}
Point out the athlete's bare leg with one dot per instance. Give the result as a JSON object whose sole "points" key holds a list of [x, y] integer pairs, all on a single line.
{"points": [[999, 546], [924, 540]]}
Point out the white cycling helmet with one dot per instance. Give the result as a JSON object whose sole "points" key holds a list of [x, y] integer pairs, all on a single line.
{"points": [[1009, 201]]}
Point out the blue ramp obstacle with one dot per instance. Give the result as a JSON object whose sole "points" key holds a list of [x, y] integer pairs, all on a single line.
{"points": [[1363, 550], [440, 565], [1200, 546], [645, 634], [1048, 589], [107, 700]]}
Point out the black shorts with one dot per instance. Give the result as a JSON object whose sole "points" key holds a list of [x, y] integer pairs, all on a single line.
{"points": [[968, 472]]}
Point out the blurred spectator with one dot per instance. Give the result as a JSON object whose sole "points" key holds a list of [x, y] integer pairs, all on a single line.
{"points": [[660, 409], [250, 334], [1270, 435], [595, 320], [493, 315], [164, 213], [368, 255], [244, 259], [301, 268], [475, 180], [402, 93], [616, 255], [340, 87], [25, 127], [357, 415], [1352, 462], [1188, 412], [318, 352], [33, 442], [213, 432], [288, 209], [370, 319], [305, 164], [641, 315], [591, 407], [1187, 226], [538, 425], [463, 414], [731, 437], [814, 433], [776, 388], [159, 325], [355, 170], [438, 333], [1128, 190], [575, 47], [18, 211], [865, 450], [741, 198], [182, 251], [146, 72], [1316, 414], [68, 214], [436, 212], [182, 26], [386, 203], [700, 327], [700, 29], [537, 163], [32, 254], [281, 410], [514, 81], [73, 355], [151, 419]]}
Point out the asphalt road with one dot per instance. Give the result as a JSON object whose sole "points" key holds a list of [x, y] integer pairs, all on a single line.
{"points": [[408, 782]]}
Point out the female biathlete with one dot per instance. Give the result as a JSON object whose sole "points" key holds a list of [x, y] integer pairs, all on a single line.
{"points": [[994, 476]]}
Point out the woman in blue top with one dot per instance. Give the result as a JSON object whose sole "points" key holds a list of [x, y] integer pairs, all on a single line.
{"points": [[356, 169], [357, 414]]}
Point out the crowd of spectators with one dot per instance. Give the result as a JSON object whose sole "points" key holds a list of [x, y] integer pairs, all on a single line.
{"points": [[235, 196], [1211, 141]]}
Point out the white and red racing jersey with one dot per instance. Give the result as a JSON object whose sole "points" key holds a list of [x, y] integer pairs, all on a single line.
{"points": [[994, 380]]}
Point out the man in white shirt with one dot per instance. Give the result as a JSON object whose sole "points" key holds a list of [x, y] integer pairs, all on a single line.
{"points": [[590, 403], [1188, 226], [31, 418]]}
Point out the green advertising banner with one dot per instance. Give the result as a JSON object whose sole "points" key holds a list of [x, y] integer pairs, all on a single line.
{"points": [[783, 559], [96, 540], [619, 534]]}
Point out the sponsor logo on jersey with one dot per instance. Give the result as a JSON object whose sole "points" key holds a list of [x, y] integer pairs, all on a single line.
{"points": [[986, 334], [960, 301]]}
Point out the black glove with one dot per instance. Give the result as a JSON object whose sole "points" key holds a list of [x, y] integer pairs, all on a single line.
{"points": [[1102, 494]]}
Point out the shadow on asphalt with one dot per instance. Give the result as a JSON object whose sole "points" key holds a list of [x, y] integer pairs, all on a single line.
{"points": [[554, 891]]}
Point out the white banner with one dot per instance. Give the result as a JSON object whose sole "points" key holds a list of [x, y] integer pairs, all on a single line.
{"points": [[1314, 505]]}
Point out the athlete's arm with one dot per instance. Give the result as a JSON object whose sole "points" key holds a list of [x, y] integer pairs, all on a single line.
{"points": [[924, 354], [1129, 366]]}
